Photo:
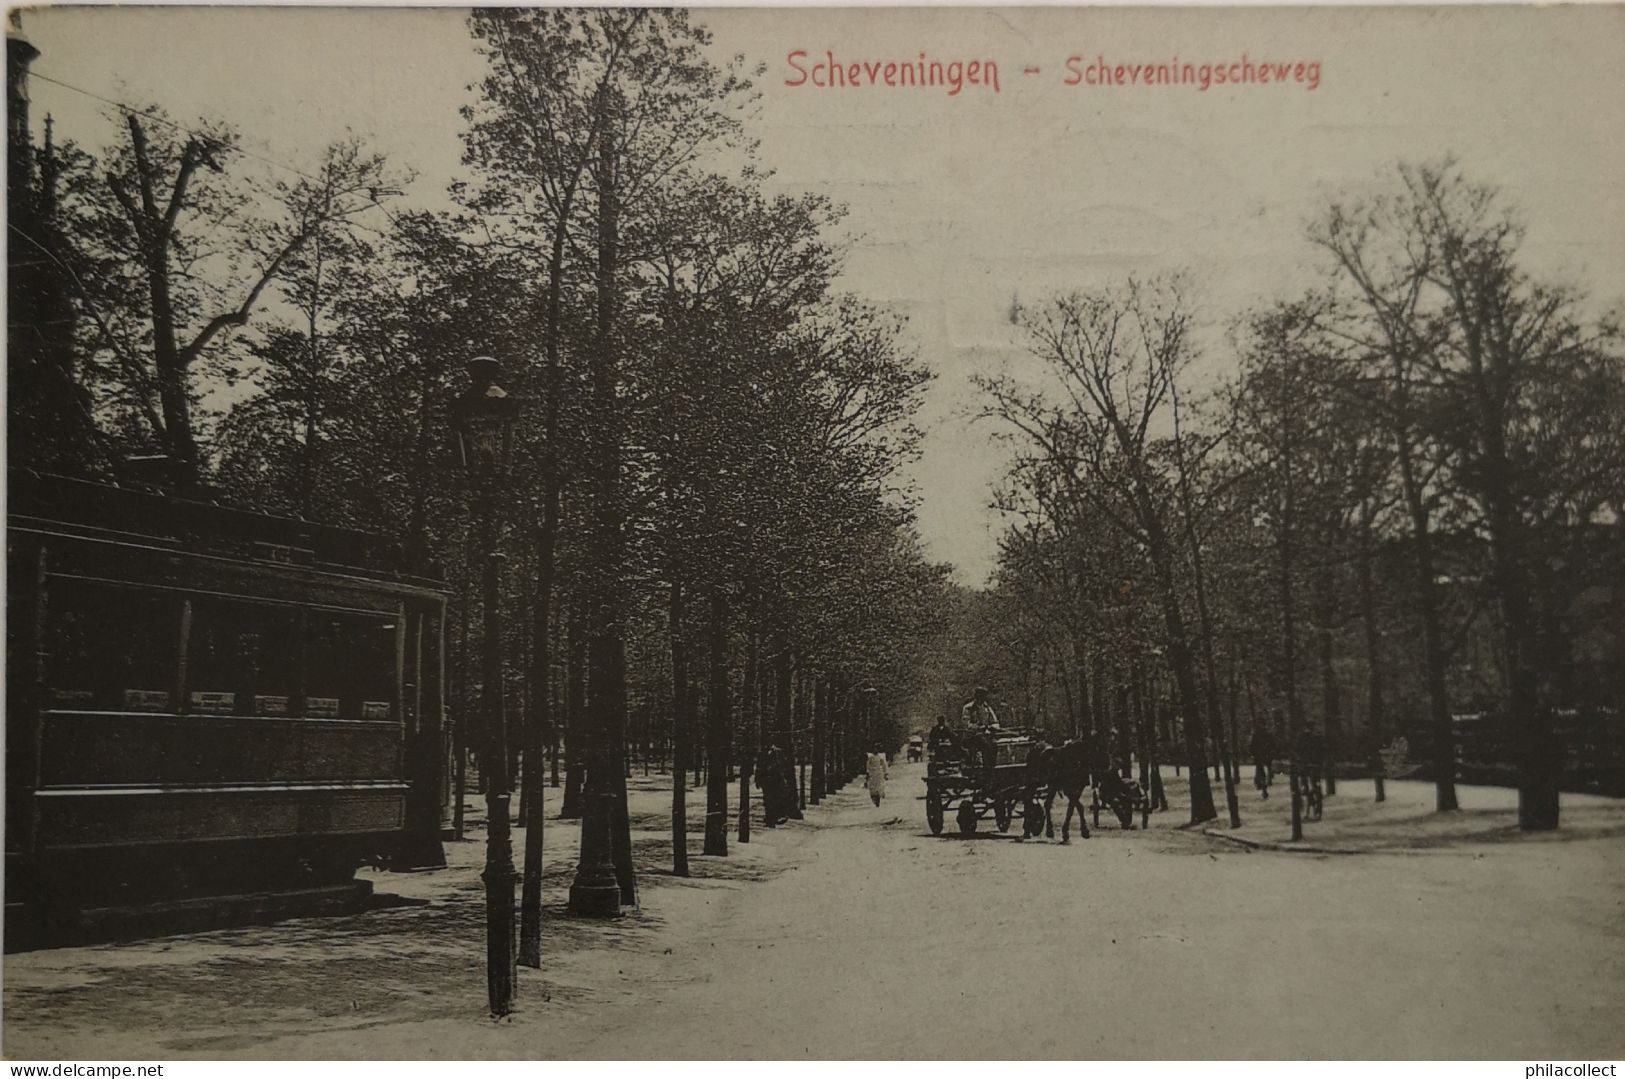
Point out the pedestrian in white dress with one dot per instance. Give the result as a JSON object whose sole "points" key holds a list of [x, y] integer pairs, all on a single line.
{"points": [[878, 774]]}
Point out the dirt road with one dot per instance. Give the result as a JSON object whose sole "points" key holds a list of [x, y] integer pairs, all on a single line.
{"points": [[887, 942], [857, 934]]}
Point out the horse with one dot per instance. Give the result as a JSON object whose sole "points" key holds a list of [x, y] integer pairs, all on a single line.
{"points": [[1071, 769], [1068, 769]]}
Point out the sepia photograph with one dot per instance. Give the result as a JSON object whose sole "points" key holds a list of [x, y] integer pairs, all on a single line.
{"points": [[763, 533]]}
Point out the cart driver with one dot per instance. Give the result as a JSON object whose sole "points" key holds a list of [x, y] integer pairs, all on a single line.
{"points": [[978, 715], [983, 722]]}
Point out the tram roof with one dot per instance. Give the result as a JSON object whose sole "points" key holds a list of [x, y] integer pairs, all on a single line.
{"points": [[141, 512]]}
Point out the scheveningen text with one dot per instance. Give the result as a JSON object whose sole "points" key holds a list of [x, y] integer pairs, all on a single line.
{"points": [[952, 76]]}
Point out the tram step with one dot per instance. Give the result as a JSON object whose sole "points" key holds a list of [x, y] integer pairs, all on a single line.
{"points": [[225, 909], [92, 924]]}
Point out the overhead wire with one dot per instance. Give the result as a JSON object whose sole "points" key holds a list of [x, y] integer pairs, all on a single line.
{"points": [[151, 113]]}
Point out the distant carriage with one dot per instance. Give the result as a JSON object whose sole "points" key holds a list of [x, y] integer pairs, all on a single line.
{"points": [[916, 748]]}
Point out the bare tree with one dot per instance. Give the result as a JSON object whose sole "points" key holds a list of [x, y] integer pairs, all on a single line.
{"points": [[1115, 355], [1519, 381], [178, 253]]}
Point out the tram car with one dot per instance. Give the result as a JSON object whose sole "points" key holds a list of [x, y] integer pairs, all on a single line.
{"points": [[208, 707]]}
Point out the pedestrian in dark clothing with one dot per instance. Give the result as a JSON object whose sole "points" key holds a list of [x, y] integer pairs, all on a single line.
{"points": [[1263, 748], [792, 796], [1122, 752], [770, 778], [1309, 765]]}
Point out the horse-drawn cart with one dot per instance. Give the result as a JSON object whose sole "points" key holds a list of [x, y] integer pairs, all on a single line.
{"points": [[980, 776]]}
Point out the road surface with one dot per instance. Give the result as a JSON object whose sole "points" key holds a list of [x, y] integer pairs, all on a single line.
{"points": [[887, 942], [857, 934]]}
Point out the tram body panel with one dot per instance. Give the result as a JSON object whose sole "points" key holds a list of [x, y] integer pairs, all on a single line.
{"points": [[203, 701]]}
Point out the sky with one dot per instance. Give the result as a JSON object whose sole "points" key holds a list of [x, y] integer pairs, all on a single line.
{"points": [[961, 203]]}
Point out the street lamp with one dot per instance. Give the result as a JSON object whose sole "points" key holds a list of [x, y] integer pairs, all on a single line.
{"points": [[484, 416]]}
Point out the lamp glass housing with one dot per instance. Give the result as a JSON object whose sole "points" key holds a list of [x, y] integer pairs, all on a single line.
{"points": [[485, 417]]}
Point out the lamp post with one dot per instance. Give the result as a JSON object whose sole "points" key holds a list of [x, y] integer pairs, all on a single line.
{"points": [[596, 890], [484, 417]]}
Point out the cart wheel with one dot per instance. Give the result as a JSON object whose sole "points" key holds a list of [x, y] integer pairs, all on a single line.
{"points": [[967, 817], [933, 811], [1001, 815]]}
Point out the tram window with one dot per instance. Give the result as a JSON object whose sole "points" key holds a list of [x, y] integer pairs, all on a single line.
{"points": [[275, 635], [111, 648], [349, 667], [241, 659]]}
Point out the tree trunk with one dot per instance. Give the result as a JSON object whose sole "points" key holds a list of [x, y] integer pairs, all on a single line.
{"points": [[1093, 709], [753, 720], [1181, 663], [578, 734], [719, 729], [1539, 762], [1159, 793], [802, 720], [174, 393], [621, 838], [1496, 355], [1234, 739], [1142, 733], [1433, 657], [1205, 627], [1331, 697], [553, 745], [832, 767], [820, 719], [701, 766], [783, 715], [1070, 701], [679, 731], [1099, 703], [1289, 659], [1376, 719]]}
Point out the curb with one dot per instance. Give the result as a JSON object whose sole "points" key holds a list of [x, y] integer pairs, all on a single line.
{"points": [[1286, 848]]}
